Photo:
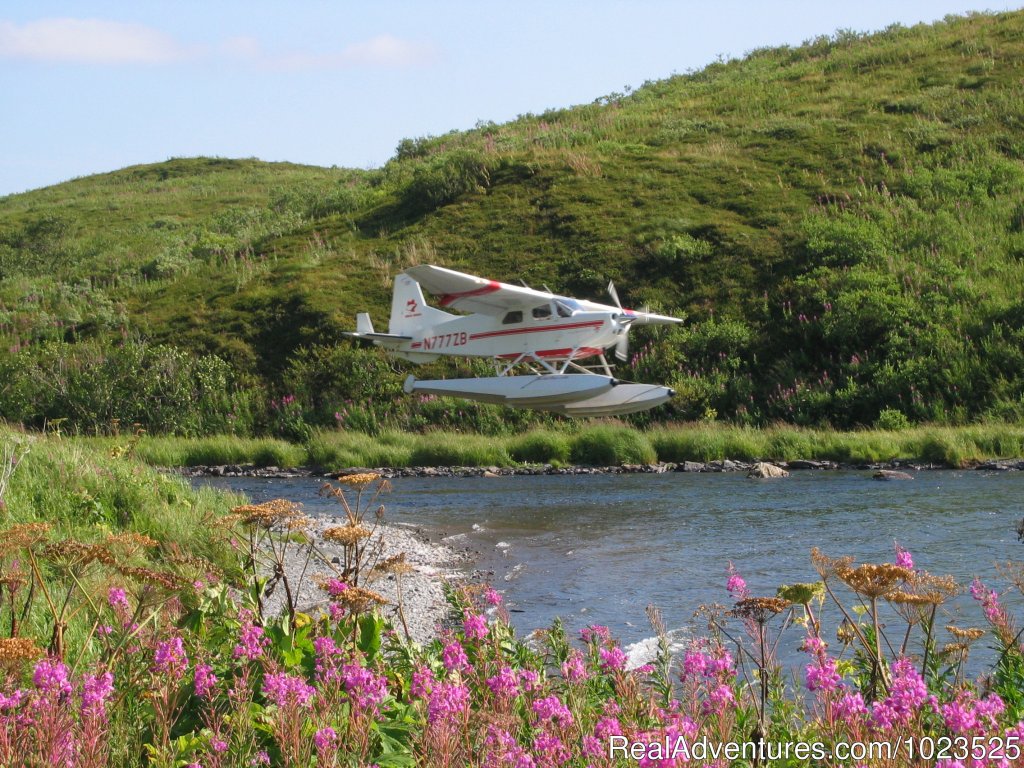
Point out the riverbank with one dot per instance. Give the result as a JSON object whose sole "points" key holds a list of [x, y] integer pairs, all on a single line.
{"points": [[726, 465], [589, 445], [421, 607]]}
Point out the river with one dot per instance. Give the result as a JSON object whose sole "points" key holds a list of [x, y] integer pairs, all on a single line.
{"points": [[599, 548]]}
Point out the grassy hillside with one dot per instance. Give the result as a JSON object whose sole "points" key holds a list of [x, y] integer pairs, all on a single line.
{"points": [[840, 222]]}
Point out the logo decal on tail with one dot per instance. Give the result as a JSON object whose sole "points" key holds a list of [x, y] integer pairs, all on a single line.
{"points": [[411, 308]]}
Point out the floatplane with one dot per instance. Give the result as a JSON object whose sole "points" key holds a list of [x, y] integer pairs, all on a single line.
{"points": [[537, 340]]}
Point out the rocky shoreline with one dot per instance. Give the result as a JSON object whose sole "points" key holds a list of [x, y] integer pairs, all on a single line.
{"points": [[431, 564], [724, 465]]}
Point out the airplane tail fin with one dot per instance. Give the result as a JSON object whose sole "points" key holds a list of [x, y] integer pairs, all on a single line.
{"points": [[409, 310]]}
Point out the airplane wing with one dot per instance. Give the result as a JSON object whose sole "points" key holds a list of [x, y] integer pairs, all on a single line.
{"points": [[468, 293]]}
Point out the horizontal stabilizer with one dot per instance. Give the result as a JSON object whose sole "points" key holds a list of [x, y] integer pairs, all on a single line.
{"points": [[383, 338]]}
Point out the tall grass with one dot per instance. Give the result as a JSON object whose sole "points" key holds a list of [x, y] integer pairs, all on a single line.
{"points": [[597, 445]]}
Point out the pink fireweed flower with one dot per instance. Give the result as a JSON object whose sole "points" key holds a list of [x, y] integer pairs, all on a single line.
{"points": [[284, 689], [718, 700], [454, 657], [550, 749], [205, 681], [365, 689], [492, 597], [117, 598], [218, 745], [595, 632], [335, 587], [11, 701], [448, 703], [822, 674], [721, 663], [170, 658], [505, 684], [966, 714], [903, 558], [735, 585], [261, 758], [552, 708], [529, 679], [325, 738], [989, 600], [474, 626], [851, 709], [606, 727], [96, 689], [612, 659], [51, 677], [327, 657], [574, 668], [422, 682], [907, 695], [252, 641], [695, 664]]}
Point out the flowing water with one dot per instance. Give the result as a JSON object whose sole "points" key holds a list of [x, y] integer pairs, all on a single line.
{"points": [[599, 548]]}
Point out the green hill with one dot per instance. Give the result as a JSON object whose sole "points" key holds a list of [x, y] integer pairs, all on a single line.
{"points": [[842, 223]]}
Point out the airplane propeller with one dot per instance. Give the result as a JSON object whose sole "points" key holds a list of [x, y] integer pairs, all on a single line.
{"points": [[622, 345]]}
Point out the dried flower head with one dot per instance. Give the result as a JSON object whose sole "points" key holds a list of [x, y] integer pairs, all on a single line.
{"points": [[360, 480], [346, 535], [130, 542], [21, 536], [14, 650], [71, 553], [396, 565], [874, 579], [267, 514], [845, 632], [829, 566], [969, 634], [938, 589], [955, 649], [760, 609], [358, 599], [168, 581]]}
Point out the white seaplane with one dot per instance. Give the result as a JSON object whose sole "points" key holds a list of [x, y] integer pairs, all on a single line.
{"points": [[520, 329]]}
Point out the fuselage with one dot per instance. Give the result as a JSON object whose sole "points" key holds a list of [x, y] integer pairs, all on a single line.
{"points": [[542, 332]]}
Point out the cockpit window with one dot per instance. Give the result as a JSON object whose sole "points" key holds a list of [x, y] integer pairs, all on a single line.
{"points": [[543, 312], [566, 307], [512, 317]]}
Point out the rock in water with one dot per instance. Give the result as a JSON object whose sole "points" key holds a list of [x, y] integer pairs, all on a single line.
{"points": [[763, 469], [891, 474]]}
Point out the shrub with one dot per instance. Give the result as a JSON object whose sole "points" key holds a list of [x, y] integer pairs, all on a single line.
{"points": [[892, 419]]}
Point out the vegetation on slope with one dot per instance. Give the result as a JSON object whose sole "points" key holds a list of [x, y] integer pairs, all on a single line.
{"points": [[840, 222]]}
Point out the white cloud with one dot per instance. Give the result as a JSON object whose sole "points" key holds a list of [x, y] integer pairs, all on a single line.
{"points": [[381, 51], [388, 51], [97, 41], [87, 41]]}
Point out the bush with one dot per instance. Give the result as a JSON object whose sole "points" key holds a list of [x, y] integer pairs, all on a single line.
{"points": [[892, 419]]}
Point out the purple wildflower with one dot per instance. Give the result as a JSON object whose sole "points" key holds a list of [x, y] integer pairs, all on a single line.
{"points": [[284, 689], [205, 681], [170, 658]]}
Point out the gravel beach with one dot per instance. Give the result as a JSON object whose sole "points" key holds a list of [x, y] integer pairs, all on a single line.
{"points": [[431, 564]]}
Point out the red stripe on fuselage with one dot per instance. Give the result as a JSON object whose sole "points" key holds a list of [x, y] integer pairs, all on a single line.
{"points": [[541, 329], [491, 287], [560, 353]]}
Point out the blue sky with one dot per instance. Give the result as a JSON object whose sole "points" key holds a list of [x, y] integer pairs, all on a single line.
{"points": [[88, 87]]}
